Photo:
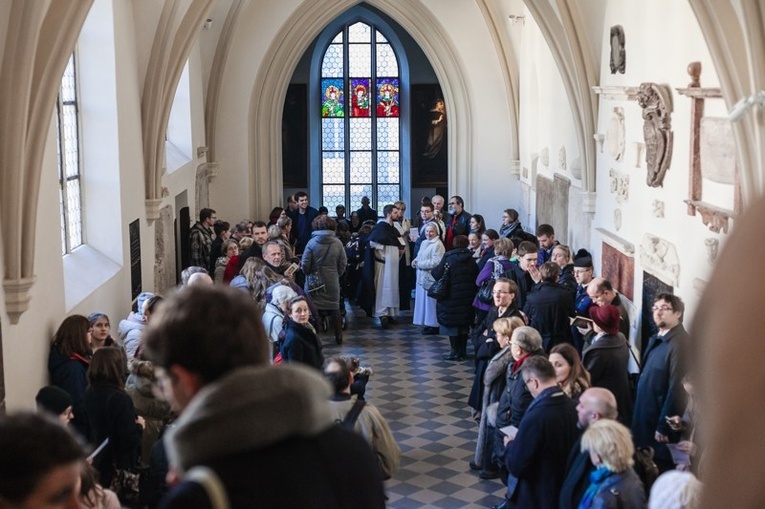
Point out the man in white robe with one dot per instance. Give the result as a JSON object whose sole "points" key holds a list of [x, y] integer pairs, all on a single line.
{"points": [[387, 244]]}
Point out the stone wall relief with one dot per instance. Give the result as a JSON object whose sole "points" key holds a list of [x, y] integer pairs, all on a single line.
{"points": [[618, 59], [639, 153], [659, 257], [599, 139], [544, 157], [620, 185], [616, 134], [656, 101], [562, 158], [713, 248], [164, 251], [618, 219], [657, 208]]}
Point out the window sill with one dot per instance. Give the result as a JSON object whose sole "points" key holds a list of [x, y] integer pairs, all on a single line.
{"points": [[85, 270]]}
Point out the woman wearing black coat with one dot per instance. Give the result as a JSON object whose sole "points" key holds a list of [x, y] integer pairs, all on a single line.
{"points": [[68, 363], [111, 415], [455, 312], [606, 356], [300, 341]]}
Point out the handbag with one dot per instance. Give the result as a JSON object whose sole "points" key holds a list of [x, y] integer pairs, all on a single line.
{"points": [[314, 282], [439, 290], [485, 295], [126, 485]]}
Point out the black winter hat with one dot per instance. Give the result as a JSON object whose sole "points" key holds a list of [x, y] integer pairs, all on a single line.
{"points": [[52, 399]]}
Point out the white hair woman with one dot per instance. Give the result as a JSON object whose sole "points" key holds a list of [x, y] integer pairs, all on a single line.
{"points": [[273, 317], [613, 483]]}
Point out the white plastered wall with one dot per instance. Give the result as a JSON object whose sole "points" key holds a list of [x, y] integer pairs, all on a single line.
{"points": [[113, 140]]}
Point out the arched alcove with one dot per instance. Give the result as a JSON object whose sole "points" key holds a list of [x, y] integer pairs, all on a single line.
{"points": [[282, 57]]}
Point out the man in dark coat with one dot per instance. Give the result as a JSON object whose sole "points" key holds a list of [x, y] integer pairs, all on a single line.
{"points": [[660, 391], [526, 273], [457, 221], [595, 404], [549, 307], [537, 455], [602, 293], [212, 349], [366, 213], [302, 218], [381, 267], [606, 356], [546, 239]]}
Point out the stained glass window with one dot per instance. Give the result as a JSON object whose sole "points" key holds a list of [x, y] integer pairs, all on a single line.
{"points": [[360, 127], [68, 155]]}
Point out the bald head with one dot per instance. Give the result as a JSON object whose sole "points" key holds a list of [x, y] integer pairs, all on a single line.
{"points": [[594, 404], [199, 278], [601, 291]]}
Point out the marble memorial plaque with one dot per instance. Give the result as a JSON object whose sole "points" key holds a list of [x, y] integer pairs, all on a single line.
{"points": [[164, 251], [545, 201], [718, 150], [561, 187]]}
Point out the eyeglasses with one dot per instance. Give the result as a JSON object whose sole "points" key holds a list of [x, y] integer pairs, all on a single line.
{"points": [[663, 309]]}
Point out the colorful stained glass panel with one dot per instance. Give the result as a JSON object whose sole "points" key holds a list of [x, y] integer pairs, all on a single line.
{"points": [[387, 97], [332, 101], [387, 64], [360, 106]]}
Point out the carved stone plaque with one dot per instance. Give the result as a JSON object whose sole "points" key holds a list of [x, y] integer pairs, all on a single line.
{"points": [[545, 201], [656, 101], [544, 157], [718, 150], [562, 158], [561, 187], [659, 257], [615, 134], [620, 185], [164, 251], [620, 270]]}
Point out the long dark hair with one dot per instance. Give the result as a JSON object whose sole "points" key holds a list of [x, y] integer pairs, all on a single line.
{"points": [[108, 367], [72, 336]]}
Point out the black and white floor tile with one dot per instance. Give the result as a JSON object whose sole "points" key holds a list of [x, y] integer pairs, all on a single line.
{"points": [[424, 398]]}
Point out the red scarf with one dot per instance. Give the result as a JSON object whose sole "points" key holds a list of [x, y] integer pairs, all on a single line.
{"points": [[78, 357], [519, 362], [450, 233]]}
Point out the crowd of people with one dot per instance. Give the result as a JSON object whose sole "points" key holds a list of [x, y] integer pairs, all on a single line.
{"points": [[560, 419]]}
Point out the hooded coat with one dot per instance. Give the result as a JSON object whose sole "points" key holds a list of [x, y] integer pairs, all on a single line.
{"points": [[325, 254]]}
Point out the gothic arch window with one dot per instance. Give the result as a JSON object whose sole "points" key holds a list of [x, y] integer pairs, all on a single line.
{"points": [[359, 115], [68, 152]]}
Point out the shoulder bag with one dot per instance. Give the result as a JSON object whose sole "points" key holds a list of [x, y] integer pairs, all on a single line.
{"points": [[439, 290], [487, 287]]}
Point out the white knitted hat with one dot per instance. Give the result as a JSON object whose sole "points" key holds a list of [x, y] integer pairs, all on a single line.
{"points": [[675, 490]]}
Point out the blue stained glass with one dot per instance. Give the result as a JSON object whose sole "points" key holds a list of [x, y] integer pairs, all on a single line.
{"points": [[380, 37], [332, 65], [332, 97], [388, 167], [360, 97], [333, 167], [332, 134], [332, 196], [357, 193], [361, 167], [361, 134], [387, 133], [387, 194], [387, 64], [338, 38]]}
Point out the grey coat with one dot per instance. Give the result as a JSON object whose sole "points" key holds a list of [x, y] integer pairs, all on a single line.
{"points": [[325, 254], [494, 385]]}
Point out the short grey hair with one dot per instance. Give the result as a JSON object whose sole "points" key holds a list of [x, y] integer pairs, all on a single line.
{"points": [[528, 338]]}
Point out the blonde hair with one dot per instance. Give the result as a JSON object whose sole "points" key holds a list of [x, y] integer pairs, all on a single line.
{"points": [[259, 277], [506, 326], [503, 247], [612, 442], [245, 243]]}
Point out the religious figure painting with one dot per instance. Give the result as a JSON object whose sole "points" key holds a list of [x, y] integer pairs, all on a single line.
{"points": [[429, 136], [332, 98], [387, 97], [360, 98]]}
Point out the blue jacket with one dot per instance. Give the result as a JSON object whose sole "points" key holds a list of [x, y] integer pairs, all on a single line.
{"points": [[69, 374], [301, 231], [537, 456], [620, 491]]}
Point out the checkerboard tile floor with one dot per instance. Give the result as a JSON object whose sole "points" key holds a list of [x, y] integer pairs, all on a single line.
{"points": [[425, 401]]}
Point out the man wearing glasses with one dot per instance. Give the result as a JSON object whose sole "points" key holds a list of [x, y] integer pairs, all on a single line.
{"points": [[536, 457], [602, 293], [660, 390]]}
